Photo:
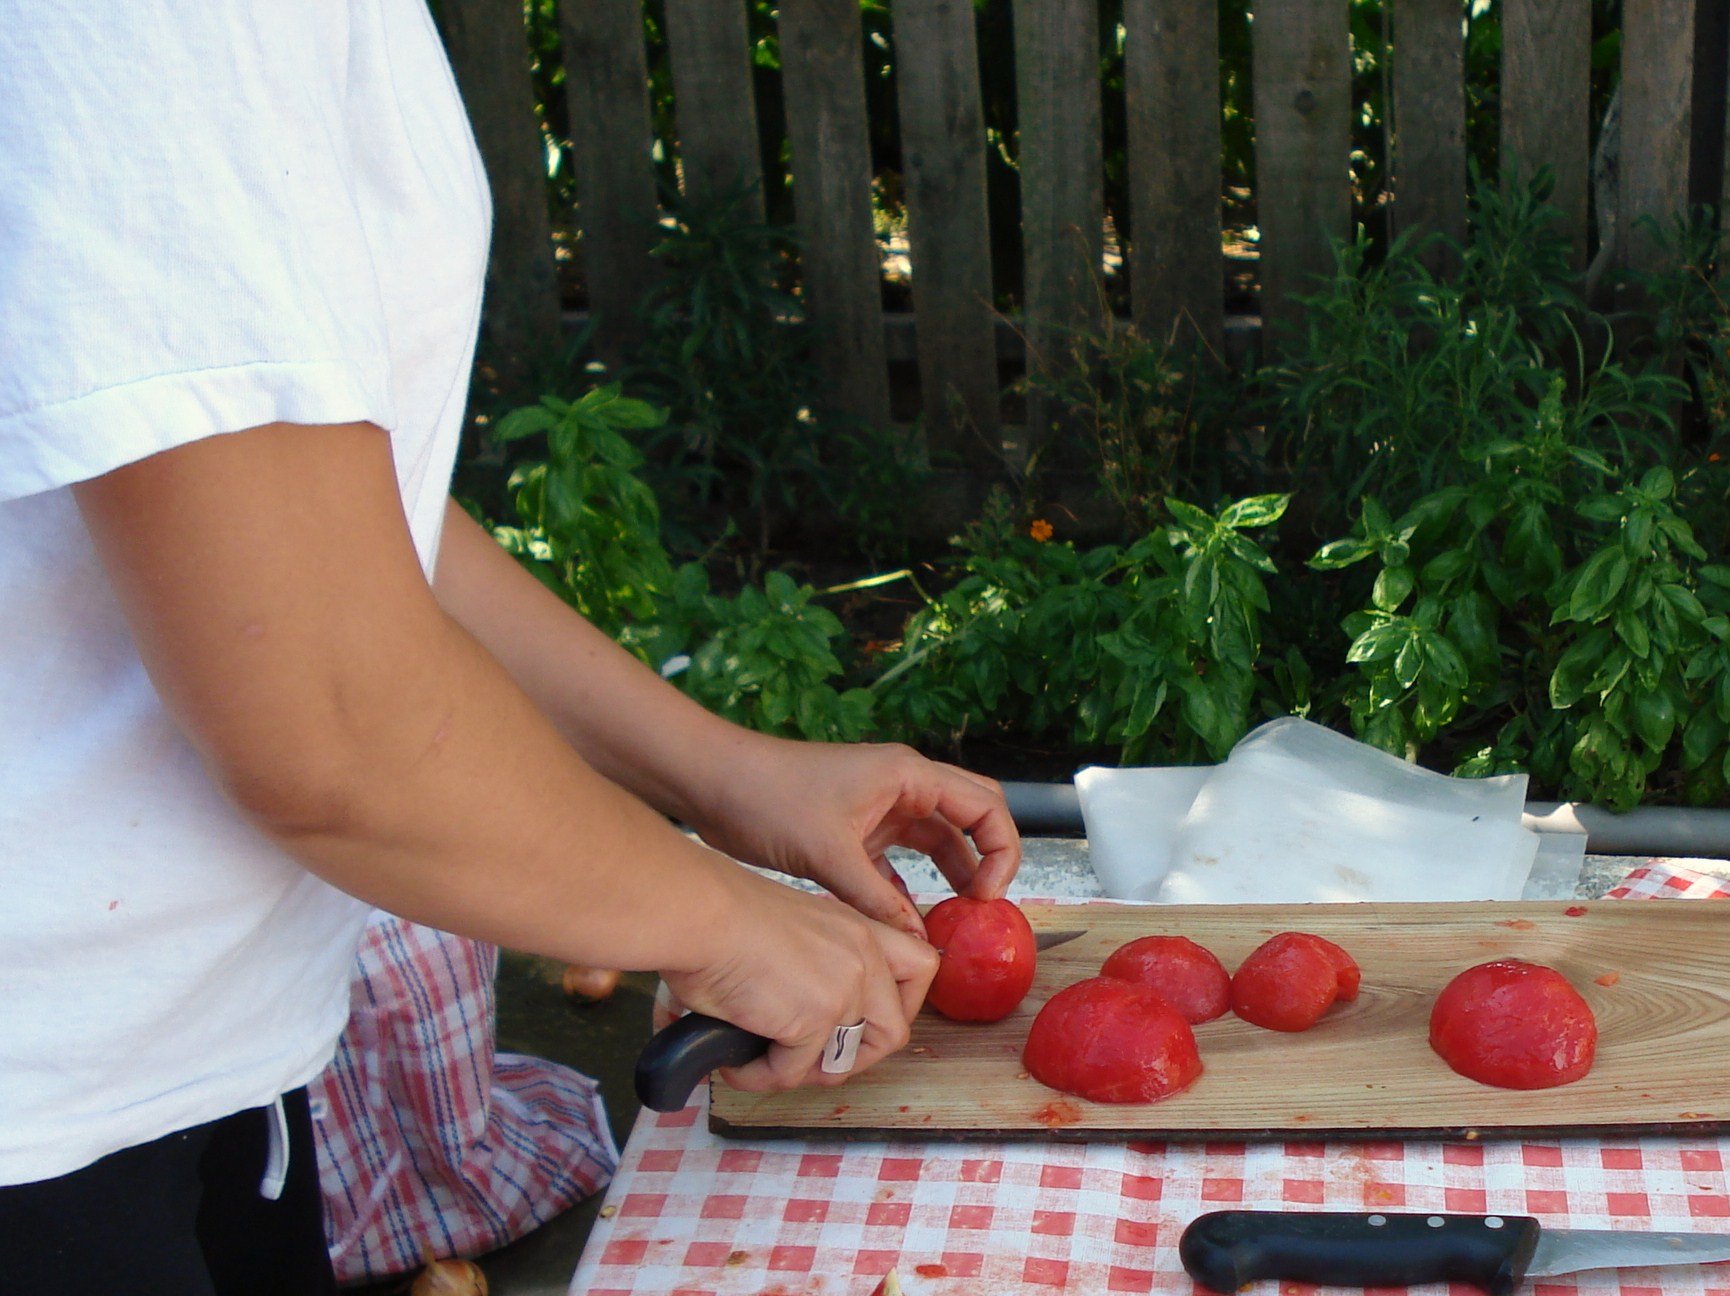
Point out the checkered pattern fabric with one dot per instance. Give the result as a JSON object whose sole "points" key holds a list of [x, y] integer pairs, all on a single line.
{"points": [[427, 1139], [690, 1214], [1659, 880]]}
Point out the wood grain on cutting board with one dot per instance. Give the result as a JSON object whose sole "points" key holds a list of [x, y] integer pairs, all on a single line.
{"points": [[1656, 973]]}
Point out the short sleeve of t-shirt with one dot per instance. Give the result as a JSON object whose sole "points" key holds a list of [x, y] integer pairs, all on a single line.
{"points": [[181, 250]]}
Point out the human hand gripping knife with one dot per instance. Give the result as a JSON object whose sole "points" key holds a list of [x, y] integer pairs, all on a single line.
{"points": [[677, 1057], [1226, 1250]]}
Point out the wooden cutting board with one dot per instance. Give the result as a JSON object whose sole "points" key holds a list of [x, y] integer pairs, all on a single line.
{"points": [[1656, 973]]}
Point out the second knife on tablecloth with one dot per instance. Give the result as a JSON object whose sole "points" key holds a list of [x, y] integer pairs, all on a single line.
{"points": [[1224, 1250]]}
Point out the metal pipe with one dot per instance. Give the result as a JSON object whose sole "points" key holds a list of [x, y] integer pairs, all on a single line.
{"points": [[1645, 830], [1054, 810]]}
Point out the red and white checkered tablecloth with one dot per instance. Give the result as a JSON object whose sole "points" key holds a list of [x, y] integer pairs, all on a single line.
{"points": [[690, 1214]]}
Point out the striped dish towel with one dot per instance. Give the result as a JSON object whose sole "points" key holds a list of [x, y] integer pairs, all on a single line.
{"points": [[428, 1140]]}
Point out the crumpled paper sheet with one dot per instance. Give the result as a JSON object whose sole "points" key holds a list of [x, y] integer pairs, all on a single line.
{"points": [[1298, 813]]}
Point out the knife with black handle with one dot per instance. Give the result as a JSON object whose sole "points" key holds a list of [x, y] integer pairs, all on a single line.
{"points": [[1226, 1250], [679, 1056], [676, 1058]]}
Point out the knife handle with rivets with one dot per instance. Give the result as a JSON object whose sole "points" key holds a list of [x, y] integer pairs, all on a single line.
{"points": [[676, 1059], [1225, 1250]]}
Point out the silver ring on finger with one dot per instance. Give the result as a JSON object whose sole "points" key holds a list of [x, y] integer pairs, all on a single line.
{"points": [[842, 1050]]}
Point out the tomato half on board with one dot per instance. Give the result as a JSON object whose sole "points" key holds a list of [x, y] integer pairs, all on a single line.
{"points": [[986, 958], [1515, 1025], [1188, 975], [1111, 1041], [1291, 979]]}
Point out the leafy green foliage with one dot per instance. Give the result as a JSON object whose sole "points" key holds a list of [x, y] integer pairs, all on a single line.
{"points": [[726, 351], [590, 530], [1151, 647], [1154, 420], [1496, 550], [590, 527], [767, 658], [1402, 382]]}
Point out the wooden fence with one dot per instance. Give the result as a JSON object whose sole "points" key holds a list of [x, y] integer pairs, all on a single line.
{"points": [[1671, 97]]}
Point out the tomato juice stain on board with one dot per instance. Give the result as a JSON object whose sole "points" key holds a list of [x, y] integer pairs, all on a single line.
{"points": [[1608, 979], [1057, 1113], [1575, 911], [841, 1109], [1518, 924]]}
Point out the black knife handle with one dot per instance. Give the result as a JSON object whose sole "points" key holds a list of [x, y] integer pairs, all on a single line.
{"points": [[677, 1058], [1225, 1250]]}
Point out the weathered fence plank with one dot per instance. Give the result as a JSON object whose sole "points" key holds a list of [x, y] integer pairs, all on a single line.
{"points": [[824, 73], [714, 103], [1062, 183], [1546, 105], [489, 54], [1171, 86], [943, 160], [1430, 124], [1657, 94], [1302, 150], [612, 146]]}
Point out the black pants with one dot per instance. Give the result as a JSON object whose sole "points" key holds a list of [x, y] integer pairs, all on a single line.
{"points": [[178, 1217]]}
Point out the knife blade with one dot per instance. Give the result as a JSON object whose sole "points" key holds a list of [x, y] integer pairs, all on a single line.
{"points": [[1224, 1250], [677, 1057]]}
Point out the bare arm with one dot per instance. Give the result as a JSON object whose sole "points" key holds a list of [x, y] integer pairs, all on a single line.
{"points": [[823, 811], [627, 722], [277, 602]]}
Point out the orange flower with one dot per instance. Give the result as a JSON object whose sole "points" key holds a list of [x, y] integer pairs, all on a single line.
{"points": [[1714, 457], [1040, 530]]}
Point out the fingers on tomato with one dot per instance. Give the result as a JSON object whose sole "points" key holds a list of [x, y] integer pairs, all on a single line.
{"points": [[986, 958], [1189, 976], [1514, 1025], [1291, 979], [1112, 1041]]}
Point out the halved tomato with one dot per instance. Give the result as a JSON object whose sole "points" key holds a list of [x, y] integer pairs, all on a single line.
{"points": [[1291, 979], [1189, 976], [1515, 1025], [1112, 1041]]}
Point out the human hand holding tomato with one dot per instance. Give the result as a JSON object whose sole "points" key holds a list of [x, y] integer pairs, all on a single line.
{"points": [[829, 812]]}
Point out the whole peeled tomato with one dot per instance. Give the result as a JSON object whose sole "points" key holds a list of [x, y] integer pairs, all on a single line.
{"points": [[1189, 976], [1515, 1025], [986, 958], [1291, 979], [1112, 1041]]}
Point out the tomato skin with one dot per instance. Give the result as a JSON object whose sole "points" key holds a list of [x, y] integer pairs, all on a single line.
{"points": [[1291, 979], [1112, 1041], [1189, 976], [986, 961], [1514, 1025]]}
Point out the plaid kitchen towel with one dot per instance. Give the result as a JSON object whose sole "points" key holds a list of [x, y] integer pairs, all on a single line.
{"points": [[1667, 880], [428, 1140]]}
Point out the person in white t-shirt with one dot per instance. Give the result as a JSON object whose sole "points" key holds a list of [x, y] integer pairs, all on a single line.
{"points": [[260, 674]]}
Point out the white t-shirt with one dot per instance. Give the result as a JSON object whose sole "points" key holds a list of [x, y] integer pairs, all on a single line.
{"points": [[213, 216]]}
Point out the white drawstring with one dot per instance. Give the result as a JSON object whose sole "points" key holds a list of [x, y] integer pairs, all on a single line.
{"points": [[276, 1154]]}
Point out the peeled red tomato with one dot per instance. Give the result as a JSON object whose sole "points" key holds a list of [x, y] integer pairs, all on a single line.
{"points": [[1187, 975], [1515, 1025], [1291, 979], [986, 958], [1111, 1041]]}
